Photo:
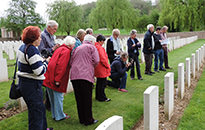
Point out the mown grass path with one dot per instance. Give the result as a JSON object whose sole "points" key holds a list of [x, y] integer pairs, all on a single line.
{"points": [[129, 105]]}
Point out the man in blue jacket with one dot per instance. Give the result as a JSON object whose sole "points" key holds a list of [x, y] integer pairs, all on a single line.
{"points": [[148, 49], [118, 72], [133, 47]]}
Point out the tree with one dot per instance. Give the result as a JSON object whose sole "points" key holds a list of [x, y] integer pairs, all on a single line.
{"points": [[67, 14], [113, 14], [21, 14], [144, 6], [183, 15]]}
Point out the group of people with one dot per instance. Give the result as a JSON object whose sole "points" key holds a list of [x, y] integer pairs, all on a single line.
{"points": [[41, 62], [156, 43]]}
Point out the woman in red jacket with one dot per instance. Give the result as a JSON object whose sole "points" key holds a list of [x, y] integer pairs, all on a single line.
{"points": [[102, 71], [57, 76]]}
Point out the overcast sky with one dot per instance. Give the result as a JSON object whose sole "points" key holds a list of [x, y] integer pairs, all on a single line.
{"points": [[40, 7]]}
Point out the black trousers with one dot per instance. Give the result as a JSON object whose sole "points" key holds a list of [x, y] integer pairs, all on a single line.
{"points": [[148, 62], [32, 93], [132, 73], [100, 89], [83, 96], [165, 57]]}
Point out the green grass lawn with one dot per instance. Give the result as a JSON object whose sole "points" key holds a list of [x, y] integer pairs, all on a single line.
{"points": [[194, 114], [129, 105]]}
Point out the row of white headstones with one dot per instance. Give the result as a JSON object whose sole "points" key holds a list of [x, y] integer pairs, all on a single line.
{"points": [[116, 122], [151, 94]]}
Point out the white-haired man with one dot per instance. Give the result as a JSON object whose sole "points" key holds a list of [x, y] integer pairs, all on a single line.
{"points": [[148, 49], [47, 38], [113, 45]]}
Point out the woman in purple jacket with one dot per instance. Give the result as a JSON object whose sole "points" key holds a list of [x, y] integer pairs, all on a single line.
{"points": [[83, 62]]}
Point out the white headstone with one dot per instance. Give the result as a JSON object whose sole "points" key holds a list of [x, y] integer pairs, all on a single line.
{"points": [[169, 94], [4, 70], [1, 51], [193, 65], [151, 108], [11, 53], [112, 123], [197, 60], [202, 54], [181, 80], [22, 104], [199, 57], [188, 73]]}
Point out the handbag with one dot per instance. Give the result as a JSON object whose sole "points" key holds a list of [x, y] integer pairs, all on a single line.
{"points": [[15, 90]]}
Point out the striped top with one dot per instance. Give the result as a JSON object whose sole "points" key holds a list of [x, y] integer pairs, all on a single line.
{"points": [[36, 67]]}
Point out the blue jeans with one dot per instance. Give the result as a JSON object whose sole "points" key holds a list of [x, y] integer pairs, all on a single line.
{"points": [[118, 82], [56, 100], [159, 55], [33, 95]]}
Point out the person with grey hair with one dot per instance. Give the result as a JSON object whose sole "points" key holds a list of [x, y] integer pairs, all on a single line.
{"points": [[113, 45], [164, 46], [83, 62], [79, 38], [57, 75], [133, 46], [118, 72], [47, 38], [148, 49], [89, 31], [47, 46]]}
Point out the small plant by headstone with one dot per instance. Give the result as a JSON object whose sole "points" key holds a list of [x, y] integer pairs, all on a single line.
{"points": [[10, 104]]}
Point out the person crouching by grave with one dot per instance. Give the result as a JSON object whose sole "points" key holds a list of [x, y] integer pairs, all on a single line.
{"points": [[57, 77], [31, 69], [102, 71], [113, 45], [118, 72], [83, 62], [133, 47], [158, 51], [148, 49]]}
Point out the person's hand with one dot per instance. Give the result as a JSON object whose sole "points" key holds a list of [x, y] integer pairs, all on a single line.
{"points": [[57, 84], [48, 59], [133, 45], [118, 52], [168, 50], [150, 48], [56, 46], [160, 40], [128, 64]]}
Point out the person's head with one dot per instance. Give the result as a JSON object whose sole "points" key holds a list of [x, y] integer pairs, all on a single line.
{"points": [[81, 34], [124, 56], [115, 33], [158, 28], [51, 26], [90, 39], [100, 39], [31, 35], [69, 41], [133, 33], [150, 27], [164, 29], [89, 31]]}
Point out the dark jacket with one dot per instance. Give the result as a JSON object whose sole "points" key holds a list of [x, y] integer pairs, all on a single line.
{"points": [[157, 43], [131, 50], [110, 49], [148, 43], [118, 68]]}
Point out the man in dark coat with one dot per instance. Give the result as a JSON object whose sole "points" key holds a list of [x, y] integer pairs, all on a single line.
{"points": [[148, 49]]}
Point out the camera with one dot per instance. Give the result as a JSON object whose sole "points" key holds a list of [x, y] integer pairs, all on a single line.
{"points": [[45, 53]]}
